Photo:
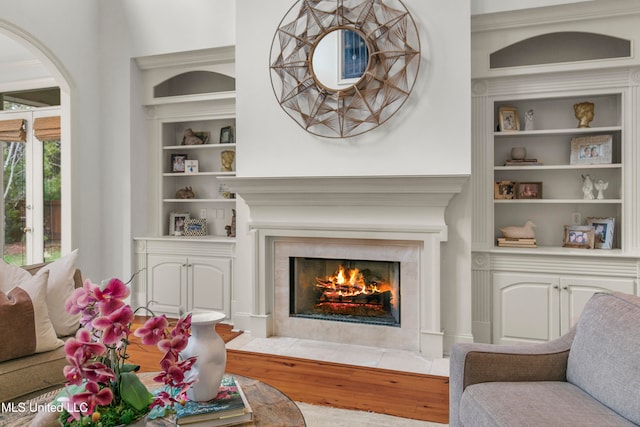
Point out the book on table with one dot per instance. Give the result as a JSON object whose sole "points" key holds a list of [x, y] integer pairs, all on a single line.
{"points": [[229, 407]]}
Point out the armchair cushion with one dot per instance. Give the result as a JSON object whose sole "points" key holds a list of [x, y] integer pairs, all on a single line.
{"points": [[541, 403], [605, 355]]}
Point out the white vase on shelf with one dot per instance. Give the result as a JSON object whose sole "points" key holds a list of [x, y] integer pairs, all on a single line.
{"points": [[206, 344]]}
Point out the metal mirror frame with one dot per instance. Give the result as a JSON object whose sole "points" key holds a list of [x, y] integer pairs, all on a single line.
{"points": [[394, 60]]}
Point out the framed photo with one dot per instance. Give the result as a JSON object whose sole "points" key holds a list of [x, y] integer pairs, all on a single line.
{"points": [[578, 236], [591, 150], [195, 227], [177, 162], [603, 231], [529, 190], [504, 190], [190, 166], [195, 137], [509, 119], [177, 222], [226, 135]]}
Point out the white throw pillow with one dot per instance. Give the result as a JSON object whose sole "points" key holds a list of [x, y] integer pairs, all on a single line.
{"points": [[59, 288], [36, 287]]}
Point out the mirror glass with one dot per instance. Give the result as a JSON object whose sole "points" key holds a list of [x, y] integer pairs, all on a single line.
{"points": [[339, 59]]}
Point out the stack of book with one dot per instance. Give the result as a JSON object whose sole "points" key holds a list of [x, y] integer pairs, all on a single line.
{"points": [[517, 243], [229, 407], [523, 162]]}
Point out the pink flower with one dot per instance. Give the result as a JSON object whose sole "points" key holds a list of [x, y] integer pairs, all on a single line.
{"points": [[173, 347], [116, 325], [92, 397], [98, 372], [153, 330], [174, 372], [110, 298], [82, 347], [81, 298], [182, 327]]}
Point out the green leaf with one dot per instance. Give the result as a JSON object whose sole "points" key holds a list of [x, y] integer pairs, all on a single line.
{"points": [[133, 391], [127, 367]]}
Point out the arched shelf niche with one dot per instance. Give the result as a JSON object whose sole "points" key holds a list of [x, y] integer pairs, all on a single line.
{"points": [[193, 83], [560, 47]]}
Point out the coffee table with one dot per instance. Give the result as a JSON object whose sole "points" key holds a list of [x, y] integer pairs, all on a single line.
{"points": [[270, 406]]}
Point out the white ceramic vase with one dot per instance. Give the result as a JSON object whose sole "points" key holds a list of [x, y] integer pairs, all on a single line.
{"points": [[206, 344]]}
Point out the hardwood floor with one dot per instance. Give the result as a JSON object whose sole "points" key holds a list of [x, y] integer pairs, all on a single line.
{"points": [[403, 394]]}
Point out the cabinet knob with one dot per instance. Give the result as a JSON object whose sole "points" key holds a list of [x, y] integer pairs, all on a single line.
{"points": [[566, 288], [184, 265], [556, 287]]}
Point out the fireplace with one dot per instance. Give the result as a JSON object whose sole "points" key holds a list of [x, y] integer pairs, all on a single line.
{"points": [[347, 290], [381, 218]]}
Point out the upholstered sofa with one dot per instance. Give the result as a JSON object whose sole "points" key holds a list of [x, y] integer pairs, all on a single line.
{"points": [[42, 370], [588, 377]]}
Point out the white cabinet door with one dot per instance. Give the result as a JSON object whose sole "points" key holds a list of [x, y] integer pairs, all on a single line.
{"points": [[167, 280], [576, 291], [525, 307], [209, 284]]}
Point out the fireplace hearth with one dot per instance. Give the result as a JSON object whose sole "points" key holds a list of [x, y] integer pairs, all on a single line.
{"points": [[357, 291]]}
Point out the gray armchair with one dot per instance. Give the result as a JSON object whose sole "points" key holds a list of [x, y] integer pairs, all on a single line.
{"points": [[588, 377]]}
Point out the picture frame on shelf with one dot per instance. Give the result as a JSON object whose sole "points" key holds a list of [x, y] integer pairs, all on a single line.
{"points": [[504, 190], [226, 135], [529, 190], [195, 227], [578, 236], [603, 229], [178, 163], [591, 150], [190, 166], [177, 223], [508, 119]]}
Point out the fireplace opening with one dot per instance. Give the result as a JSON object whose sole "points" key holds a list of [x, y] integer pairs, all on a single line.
{"points": [[359, 291]]}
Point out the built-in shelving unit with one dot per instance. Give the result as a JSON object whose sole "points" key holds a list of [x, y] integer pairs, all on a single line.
{"points": [[188, 90], [536, 294]]}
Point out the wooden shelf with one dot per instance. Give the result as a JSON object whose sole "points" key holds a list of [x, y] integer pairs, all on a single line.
{"points": [[199, 147], [558, 201], [557, 167], [182, 174], [570, 131]]}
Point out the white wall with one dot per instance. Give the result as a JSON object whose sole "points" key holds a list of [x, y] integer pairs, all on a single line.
{"points": [[428, 135], [73, 44], [491, 6]]}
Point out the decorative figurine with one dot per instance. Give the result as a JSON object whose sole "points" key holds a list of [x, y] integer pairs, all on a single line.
{"points": [[584, 113], [518, 153], [185, 193], [528, 120], [524, 232], [601, 186], [191, 138], [587, 187], [227, 157]]}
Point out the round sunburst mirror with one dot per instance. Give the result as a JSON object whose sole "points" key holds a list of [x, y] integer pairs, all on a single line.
{"points": [[341, 68]]}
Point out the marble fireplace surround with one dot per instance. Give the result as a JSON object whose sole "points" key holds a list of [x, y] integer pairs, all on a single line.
{"points": [[391, 218]]}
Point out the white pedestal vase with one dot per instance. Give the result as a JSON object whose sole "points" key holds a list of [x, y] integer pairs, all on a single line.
{"points": [[206, 344]]}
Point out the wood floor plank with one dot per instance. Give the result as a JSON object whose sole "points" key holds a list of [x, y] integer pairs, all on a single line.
{"points": [[403, 394]]}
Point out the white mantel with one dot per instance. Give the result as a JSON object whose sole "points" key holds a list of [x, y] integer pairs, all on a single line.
{"points": [[377, 209]]}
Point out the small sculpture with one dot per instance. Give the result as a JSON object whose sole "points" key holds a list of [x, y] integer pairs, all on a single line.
{"points": [[185, 193], [227, 157], [528, 120], [524, 232], [587, 187], [584, 113], [191, 138], [231, 229], [601, 186], [518, 153]]}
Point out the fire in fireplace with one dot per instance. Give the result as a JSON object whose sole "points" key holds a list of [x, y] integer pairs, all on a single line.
{"points": [[358, 291]]}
